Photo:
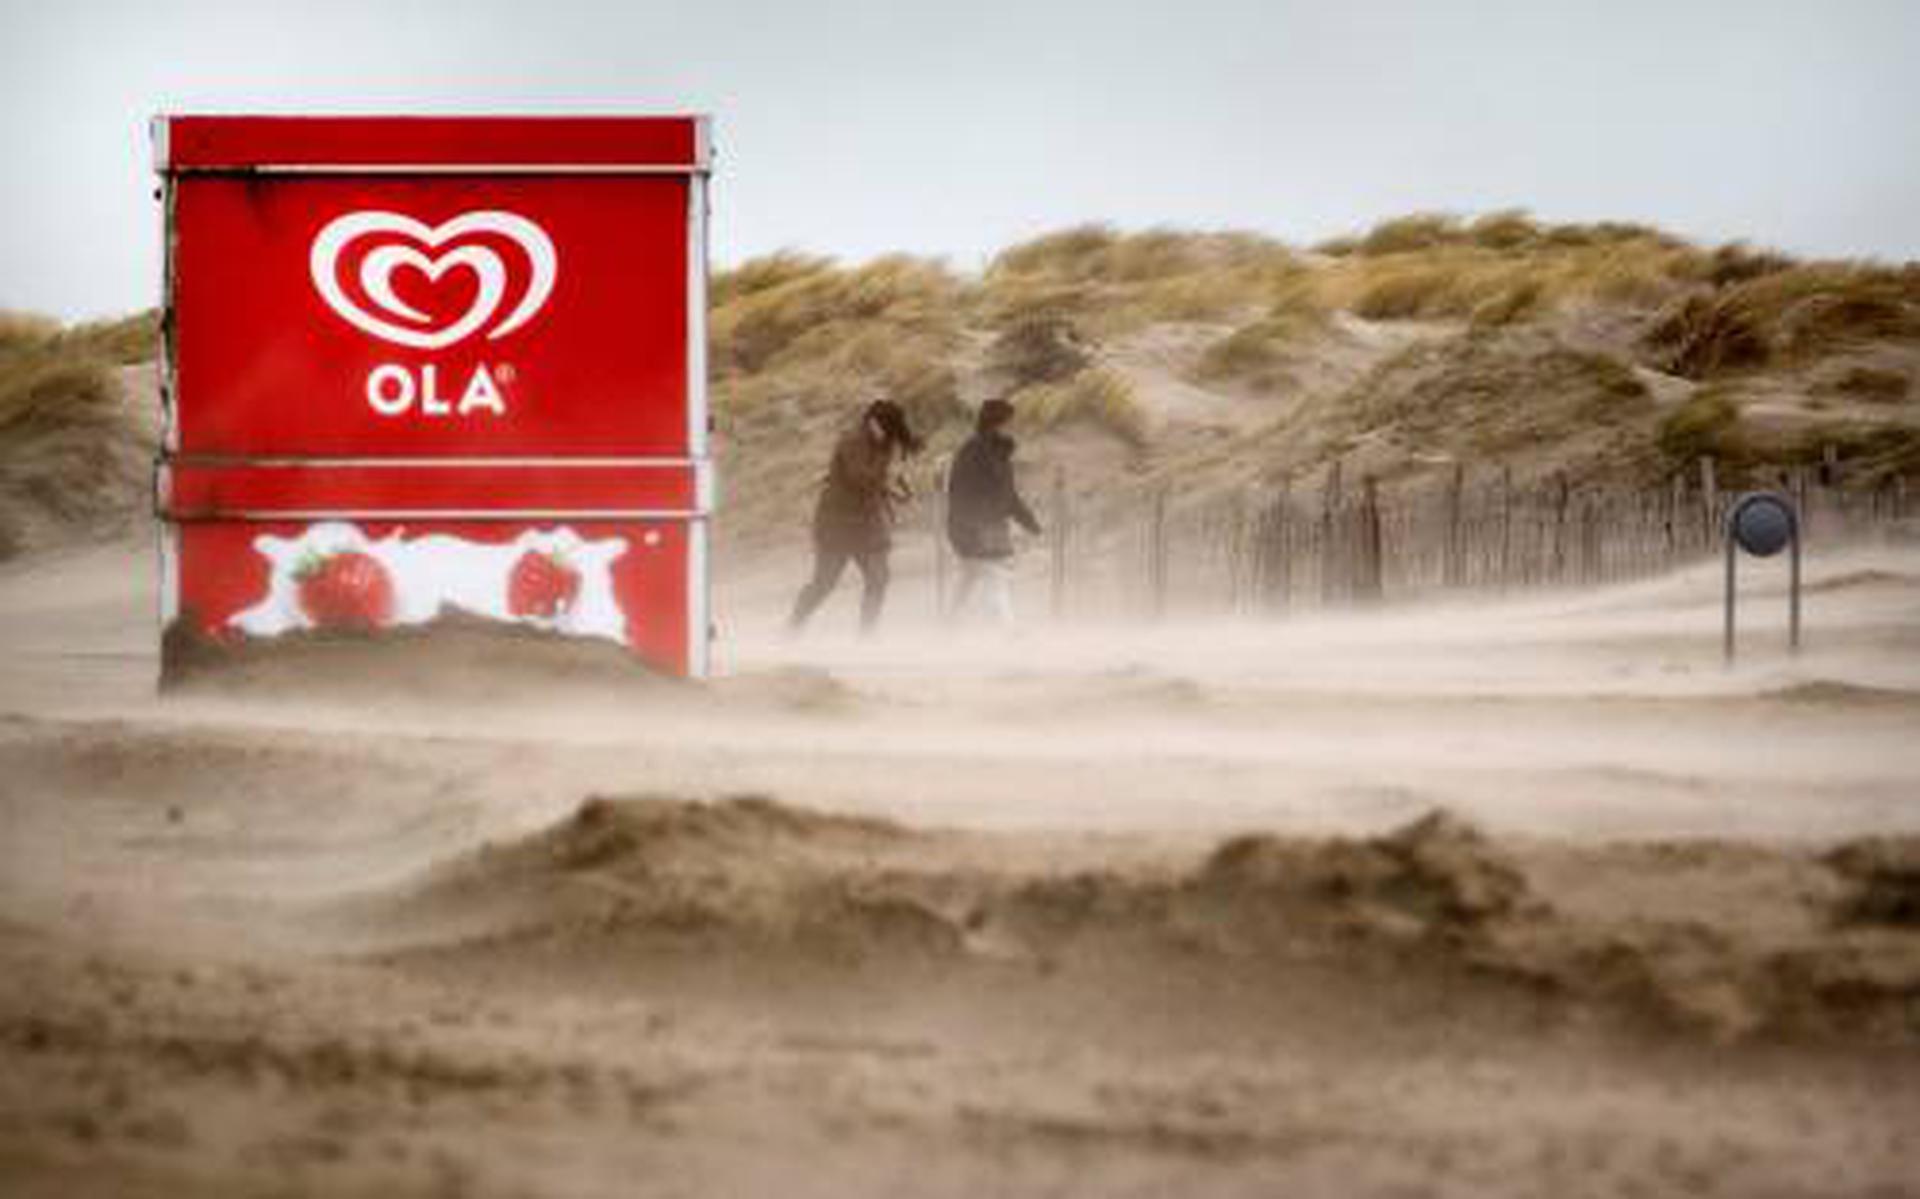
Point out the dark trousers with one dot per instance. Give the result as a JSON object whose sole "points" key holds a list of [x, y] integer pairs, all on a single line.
{"points": [[828, 566]]}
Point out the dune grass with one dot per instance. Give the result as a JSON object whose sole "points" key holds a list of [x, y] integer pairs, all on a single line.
{"points": [[774, 312], [1512, 229], [1489, 395], [69, 450], [1038, 349], [1094, 398], [1721, 309], [1871, 452], [807, 334], [121, 342], [25, 328], [1109, 283], [43, 388], [1706, 425], [1502, 270], [1869, 385], [1259, 355], [52, 376], [1791, 315]]}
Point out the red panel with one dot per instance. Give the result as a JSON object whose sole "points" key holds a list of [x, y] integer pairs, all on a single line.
{"points": [[238, 142], [266, 365], [223, 572], [360, 303], [195, 491]]}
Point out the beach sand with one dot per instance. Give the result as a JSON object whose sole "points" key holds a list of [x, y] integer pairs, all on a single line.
{"points": [[1517, 896]]}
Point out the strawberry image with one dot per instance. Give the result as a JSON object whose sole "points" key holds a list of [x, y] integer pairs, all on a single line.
{"points": [[345, 590], [542, 585]]}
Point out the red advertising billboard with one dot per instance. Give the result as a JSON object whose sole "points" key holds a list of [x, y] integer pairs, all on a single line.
{"points": [[426, 366]]}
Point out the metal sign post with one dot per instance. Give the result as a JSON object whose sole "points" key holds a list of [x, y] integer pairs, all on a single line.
{"points": [[1763, 523]]}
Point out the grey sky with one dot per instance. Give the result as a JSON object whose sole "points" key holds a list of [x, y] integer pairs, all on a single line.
{"points": [[954, 128]]}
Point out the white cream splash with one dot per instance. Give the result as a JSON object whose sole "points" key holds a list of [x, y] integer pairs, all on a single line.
{"points": [[435, 573]]}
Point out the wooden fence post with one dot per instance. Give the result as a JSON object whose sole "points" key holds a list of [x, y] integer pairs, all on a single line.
{"points": [[1709, 504], [1454, 568], [1560, 498], [937, 516], [1592, 563], [1676, 500], [1506, 525], [1157, 552], [1332, 577], [1242, 581], [1277, 548], [1059, 528], [1367, 584]]}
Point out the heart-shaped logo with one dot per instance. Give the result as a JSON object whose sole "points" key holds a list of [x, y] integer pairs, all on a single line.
{"points": [[356, 257]]}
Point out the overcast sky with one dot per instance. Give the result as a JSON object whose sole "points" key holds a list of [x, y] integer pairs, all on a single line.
{"points": [[954, 128]]}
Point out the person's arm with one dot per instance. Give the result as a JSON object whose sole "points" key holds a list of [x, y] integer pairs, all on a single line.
{"points": [[1024, 515], [1016, 507]]}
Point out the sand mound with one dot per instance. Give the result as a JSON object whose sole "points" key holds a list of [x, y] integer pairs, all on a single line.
{"points": [[666, 875], [1436, 874], [1436, 905], [1856, 580], [789, 690], [1884, 878], [1134, 689], [458, 656], [1444, 890], [460, 659], [653, 834], [1839, 694]]}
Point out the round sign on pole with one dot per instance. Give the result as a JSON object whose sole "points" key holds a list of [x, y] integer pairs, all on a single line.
{"points": [[1762, 524]]}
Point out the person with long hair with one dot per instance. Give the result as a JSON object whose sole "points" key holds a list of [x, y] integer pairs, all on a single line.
{"points": [[853, 521]]}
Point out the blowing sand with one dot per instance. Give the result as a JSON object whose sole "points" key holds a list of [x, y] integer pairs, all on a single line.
{"points": [[1515, 897]]}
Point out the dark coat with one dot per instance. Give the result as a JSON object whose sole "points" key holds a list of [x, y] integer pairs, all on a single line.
{"points": [[981, 498], [855, 512]]}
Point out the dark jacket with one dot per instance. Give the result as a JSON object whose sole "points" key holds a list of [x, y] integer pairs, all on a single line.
{"points": [[855, 512], [981, 498]]}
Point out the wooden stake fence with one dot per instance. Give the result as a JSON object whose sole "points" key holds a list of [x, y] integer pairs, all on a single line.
{"points": [[1281, 548]]}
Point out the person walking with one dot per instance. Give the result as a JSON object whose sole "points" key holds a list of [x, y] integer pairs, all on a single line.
{"points": [[981, 501], [853, 521]]}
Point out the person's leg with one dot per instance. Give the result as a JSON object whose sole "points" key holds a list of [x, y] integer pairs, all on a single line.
{"points": [[999, 588], [828, 564], [969, 579], [874, 574]]}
